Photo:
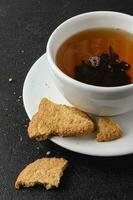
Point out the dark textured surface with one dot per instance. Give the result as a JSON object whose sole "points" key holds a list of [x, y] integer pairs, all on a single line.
{"points": [[25, 26]]}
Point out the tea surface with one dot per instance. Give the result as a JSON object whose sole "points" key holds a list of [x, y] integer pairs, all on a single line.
{"points": [[94, 42]]}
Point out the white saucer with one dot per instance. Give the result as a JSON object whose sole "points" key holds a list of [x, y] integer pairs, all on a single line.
{"points": [[38, 84]]}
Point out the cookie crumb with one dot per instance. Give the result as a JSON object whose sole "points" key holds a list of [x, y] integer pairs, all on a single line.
{"points": [[46, 84], [10, 80], [21, 139], [19, 98], [22, 51], [37, 148], [48, 153]]}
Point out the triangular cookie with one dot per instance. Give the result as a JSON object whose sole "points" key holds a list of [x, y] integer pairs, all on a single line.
{"points": [[60, 120], [108, 130]]}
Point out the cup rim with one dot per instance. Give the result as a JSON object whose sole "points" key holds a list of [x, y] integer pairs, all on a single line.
{"points": [[77, 83]]}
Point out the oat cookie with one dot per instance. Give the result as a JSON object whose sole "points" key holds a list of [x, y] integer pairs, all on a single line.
{"points": [[60, 120], [108, 130], [44, 171]]}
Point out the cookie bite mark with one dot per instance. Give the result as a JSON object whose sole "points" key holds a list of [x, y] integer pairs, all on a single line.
{"points": [[44, 171]]}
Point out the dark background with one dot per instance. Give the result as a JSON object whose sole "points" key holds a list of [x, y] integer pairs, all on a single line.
{"points": [[25, 26]]}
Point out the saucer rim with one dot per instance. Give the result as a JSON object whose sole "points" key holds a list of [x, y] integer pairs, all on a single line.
{"points": [[76, 150]]}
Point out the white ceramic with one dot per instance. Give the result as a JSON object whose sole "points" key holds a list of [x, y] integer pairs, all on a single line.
{"points": [[97, 100], [39, 84]]}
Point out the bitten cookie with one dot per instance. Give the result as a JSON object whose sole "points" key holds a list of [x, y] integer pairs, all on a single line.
{"points": [[44, 171], [60, 120], [108, 130]]}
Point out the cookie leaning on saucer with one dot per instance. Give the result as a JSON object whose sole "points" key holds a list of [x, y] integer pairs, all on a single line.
{"points": [[60, 120]]}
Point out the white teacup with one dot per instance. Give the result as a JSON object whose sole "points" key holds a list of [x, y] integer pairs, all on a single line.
{"points": [[103, 101]]}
